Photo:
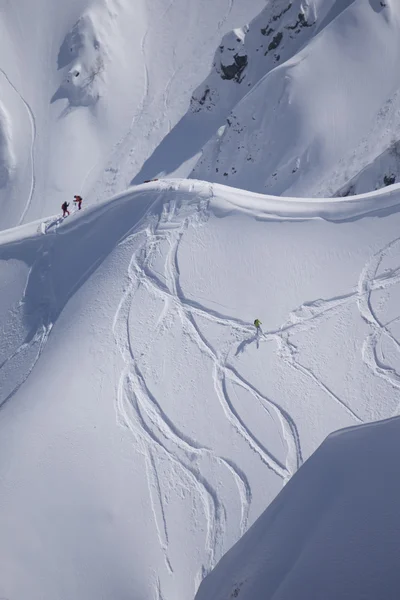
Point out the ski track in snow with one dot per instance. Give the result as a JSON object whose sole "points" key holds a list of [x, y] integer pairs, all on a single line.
{"points": [[371, 280], [112, 164], [142, 413], [176, 72], [120, 151], [32, 147], [227, 15], [159, 434], [197, 469]]}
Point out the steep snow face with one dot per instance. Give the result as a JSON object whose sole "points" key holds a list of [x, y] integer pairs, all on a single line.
{"points": [[144, 423], [309, 125], [89, 88], [384, 170], [246, 55], [242, 59], [331, 533]]}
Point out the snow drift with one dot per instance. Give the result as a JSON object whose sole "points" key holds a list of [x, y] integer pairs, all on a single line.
{"points": [[331, 533]]}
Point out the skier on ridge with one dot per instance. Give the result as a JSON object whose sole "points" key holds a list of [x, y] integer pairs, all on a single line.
{"points": [[64, 207], [257, 325], [78, 201]]}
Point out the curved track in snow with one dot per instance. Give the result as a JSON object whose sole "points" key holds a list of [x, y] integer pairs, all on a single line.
{"points": [[142, 413], [174, 207], [32, 144]]}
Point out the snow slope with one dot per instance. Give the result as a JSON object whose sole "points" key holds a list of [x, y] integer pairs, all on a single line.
{"points": [[316, 104], [143, 425], [95, 95], [241, 60], [331, 533], [88, 88]]}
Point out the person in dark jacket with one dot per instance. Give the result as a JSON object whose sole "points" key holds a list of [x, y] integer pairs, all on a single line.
{"points": [[64, 207], [78, 201]]}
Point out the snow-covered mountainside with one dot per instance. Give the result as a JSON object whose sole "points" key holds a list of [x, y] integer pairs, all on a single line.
{"points": [[144, 426], [88, 88], [242, 59], [331, 533], [94, 95], [313, 92]]}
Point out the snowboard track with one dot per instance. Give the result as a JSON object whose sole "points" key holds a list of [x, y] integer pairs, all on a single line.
{"points": [[197, 468], [140, 411], [157, 431], [374, 278]]}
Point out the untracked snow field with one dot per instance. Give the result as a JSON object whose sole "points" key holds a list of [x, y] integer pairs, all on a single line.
{"points": [[144, 426]]}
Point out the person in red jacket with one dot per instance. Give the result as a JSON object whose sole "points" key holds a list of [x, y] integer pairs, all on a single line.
{"points": [[64, 207], [78, 201]]}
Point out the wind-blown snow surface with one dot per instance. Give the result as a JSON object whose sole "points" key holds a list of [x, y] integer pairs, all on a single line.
{"points": [[88, 89], [315, 103], [331, 533], [143, 425]]}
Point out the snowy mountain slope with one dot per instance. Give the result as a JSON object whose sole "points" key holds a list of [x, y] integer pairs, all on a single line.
{"points": [[89, 88], [309, 125], [237, 67], [382, 171], [331, 533], [144, 426]]}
